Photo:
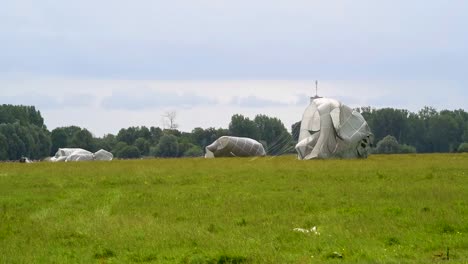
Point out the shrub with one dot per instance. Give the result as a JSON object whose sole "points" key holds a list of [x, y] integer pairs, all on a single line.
{"points": [[463, 147], [390, 145], [168, 146], [194, 151], [129, 152], [406, 149]]}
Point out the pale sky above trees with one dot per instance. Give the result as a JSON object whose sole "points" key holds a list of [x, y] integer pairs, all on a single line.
{"points": [[104, 65]]}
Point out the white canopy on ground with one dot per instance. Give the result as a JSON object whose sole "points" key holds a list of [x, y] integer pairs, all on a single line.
{"points": [[330, 129], [78, 154], [234, 147]]}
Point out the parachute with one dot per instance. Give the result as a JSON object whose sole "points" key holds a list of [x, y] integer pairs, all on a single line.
{"points": [[234, 147], [78, 154], [330, 129]]}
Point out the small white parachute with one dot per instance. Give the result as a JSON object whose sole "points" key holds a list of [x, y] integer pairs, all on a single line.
{"points": [[78, 154], [235, 147]]}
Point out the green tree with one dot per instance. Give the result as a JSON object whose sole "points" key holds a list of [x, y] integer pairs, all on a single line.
{"points": [[274, 133], [388, 121], [3, 147], [107, 142], [241, 126], [83, 139], [295, 130], [143, 146], [463, 147], [128, 152], [442, 133], [155, 134], [193, 151], [168, 146], [388, 145], [59, 139]]}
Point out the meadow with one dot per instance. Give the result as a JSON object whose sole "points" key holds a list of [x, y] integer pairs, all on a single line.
{"points": [[386, 209]]}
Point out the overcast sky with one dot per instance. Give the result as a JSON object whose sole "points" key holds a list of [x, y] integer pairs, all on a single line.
{"points": [[104, 65]]}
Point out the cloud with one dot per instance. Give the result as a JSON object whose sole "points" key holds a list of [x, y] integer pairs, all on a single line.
{"points": [[46, 101], [141, 100], [256, 102], [188, 40]]}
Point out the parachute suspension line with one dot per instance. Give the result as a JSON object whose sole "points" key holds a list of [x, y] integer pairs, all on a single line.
{"points": [[279, 144], [283, 146]]}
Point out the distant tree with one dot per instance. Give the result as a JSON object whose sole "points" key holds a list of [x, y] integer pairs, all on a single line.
{"points": [[118, 148], [3, 147], [127, 135], [273, 132], [25, 115], [83, 139], [193, 151], [427, 112], [59, 139], [143, 146], [442, 133], [296, 129], [44, 144], [406, 149], [241, 126], [463, 147], [204, 137], [129, 152], [170, 120], [143, 132], [388, 145], [388, 121], [107, 142], [155, 134], [168, 146]]}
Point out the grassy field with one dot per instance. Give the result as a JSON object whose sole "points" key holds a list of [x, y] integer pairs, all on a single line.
{"points": [[386, 209]]}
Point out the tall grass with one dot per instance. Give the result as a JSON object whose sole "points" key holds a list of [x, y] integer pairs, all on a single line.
{"points": [[386, 209]]}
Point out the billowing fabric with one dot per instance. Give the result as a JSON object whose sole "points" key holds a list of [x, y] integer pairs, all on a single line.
{"points": [[103, 155], [331, 129], [62, 152], [78, 154], [234, 147], [80, 157]]}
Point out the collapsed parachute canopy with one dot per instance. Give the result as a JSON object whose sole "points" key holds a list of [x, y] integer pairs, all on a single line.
{"points": [[330, 129], [78, 154], [234, 147]]}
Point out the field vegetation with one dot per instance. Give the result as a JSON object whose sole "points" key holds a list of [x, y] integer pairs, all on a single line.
{"points": [[386, 209]]}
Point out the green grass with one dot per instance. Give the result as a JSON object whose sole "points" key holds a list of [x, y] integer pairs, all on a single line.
{"points": [[386, 209]]}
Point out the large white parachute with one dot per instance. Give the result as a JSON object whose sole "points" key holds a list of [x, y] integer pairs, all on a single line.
{"points": [[234, 147], [330, 129], [78, 154]]}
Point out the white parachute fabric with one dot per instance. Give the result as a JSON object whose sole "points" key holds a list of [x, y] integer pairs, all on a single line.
{"points": [[64, 152], [103, 155], [330, 129], [80, 157], [78, 154], [234, 147]]}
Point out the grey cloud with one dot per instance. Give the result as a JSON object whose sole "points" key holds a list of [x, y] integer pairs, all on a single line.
{"points": [[257, 102], [152, 100], [43, 101], [295, 39]]}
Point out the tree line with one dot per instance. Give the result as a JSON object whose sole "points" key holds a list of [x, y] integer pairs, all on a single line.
{"points": [[23, 133]]}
